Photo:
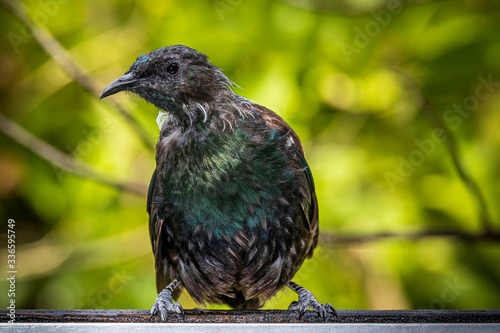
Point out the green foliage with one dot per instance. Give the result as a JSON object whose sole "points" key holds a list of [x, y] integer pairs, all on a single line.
{"points": [[339, 72]]}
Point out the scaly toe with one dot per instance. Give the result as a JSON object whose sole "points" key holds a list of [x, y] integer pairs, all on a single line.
{"points": [[294, 306], [164, 305], [307, 300], [324, 309]]}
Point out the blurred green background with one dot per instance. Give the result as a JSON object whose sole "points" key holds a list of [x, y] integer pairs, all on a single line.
{"points": [[350, 77]]}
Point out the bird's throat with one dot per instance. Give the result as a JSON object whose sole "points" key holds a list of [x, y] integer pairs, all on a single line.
{"points": [[162, 117]]}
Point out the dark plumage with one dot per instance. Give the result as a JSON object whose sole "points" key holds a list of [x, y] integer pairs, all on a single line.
{"points": [[232, 207]]}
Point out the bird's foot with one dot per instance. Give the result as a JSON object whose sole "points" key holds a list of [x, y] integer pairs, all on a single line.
{"points": [[307, 300], [165, 302]]}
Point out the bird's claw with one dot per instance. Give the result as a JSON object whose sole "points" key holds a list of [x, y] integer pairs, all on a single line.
{"points": [[164, 304], [307, 300]]}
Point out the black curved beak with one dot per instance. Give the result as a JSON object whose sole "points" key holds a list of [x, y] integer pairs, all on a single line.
{"points": [[120, 84]]}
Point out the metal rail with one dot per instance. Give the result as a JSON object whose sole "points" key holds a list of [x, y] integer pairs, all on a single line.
{"points": [[236, 321]]}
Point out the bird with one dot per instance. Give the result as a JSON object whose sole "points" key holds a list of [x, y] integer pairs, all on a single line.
{"points": [[232, 205]]}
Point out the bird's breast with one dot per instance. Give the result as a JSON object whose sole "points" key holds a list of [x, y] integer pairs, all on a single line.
{"points": [[223, 182]]}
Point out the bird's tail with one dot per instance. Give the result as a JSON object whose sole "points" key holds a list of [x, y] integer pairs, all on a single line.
{"points": [[239, 302]]}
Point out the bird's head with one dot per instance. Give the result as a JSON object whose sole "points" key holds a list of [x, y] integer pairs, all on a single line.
{"points": [[171, 78]]}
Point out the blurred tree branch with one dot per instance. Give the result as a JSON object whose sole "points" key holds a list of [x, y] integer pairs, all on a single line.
{"points": [[61, 160], [346, 7], [74, 70], [454, 151], [451, 146]]}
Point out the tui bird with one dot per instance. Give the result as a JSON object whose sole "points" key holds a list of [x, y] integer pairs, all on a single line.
{"points": [[232, 207]]}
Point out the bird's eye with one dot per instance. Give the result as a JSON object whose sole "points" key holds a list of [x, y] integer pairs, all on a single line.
{"points": [[173, 68]]}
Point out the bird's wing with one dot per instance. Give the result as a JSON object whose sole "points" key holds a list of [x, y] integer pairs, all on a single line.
{"points": [[151, 189], [152, 217], [155, 230], [311, 212], [310, 207]]}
